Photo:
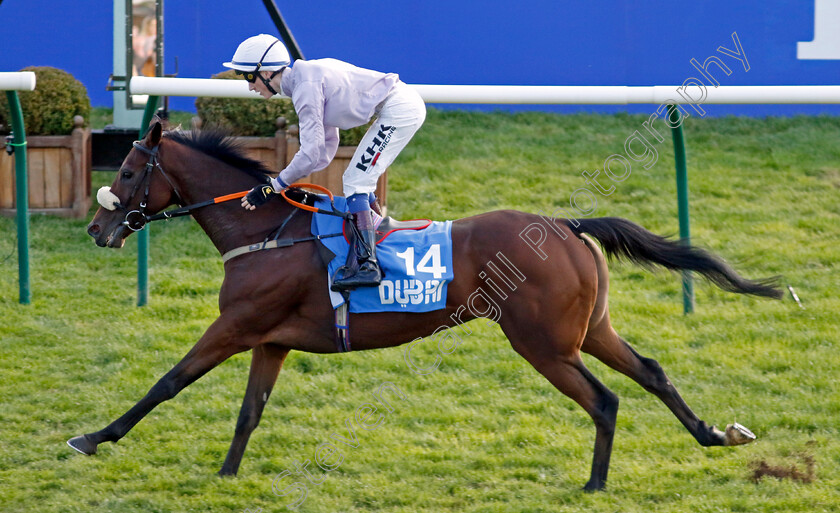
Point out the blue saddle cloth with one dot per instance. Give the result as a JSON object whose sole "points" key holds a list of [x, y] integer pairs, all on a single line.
{"points": [[417, 265]]}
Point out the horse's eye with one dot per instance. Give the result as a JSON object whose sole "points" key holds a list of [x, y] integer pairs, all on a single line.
{"points": [[126, 175]]}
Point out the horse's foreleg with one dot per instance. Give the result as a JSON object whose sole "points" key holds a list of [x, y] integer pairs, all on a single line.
{"points": [[214, 347], [266, 361], [605, 344], [553, 352]]}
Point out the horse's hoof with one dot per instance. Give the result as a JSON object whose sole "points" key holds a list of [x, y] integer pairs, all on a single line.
{"points": [[83, 445], [736, 434], [594, 486]]}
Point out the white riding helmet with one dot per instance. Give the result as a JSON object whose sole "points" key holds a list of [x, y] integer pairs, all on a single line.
{"points": [[260, 53]]}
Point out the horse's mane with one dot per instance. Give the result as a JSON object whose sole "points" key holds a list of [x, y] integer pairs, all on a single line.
{"points": [[218, 144]]}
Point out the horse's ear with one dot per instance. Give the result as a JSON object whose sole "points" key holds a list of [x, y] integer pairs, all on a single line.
{"points": [[162, 117], [152, 138]]}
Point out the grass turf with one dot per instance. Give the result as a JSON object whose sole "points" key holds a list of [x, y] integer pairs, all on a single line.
{"points": [[484, 433]]}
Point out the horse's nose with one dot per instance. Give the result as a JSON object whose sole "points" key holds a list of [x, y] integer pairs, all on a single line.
{"points": [[93, 230]]}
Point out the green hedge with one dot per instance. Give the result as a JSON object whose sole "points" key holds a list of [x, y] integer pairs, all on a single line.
{"points": [[50, 108], [256, 118], [244, 117]]}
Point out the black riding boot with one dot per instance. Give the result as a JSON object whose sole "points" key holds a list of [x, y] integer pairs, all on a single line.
{"points": [[362, 268]]}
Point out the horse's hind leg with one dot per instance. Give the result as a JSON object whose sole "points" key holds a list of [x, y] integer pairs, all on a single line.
{"points": [[266, 361], [605, 344]]}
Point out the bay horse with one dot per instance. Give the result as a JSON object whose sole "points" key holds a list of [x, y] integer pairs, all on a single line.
{"points": [[275, 301]]}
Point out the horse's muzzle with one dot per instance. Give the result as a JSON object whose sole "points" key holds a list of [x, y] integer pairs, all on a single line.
{"points": [[114, 239]]}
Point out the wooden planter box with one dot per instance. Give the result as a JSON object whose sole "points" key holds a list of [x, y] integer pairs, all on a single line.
{"points": [[58, 171], [276, 152]]}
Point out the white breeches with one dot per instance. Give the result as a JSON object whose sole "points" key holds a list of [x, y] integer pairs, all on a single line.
{"points": [[396, 120]]}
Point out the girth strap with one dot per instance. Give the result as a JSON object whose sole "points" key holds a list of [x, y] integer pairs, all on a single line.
{"points": [[273, 244], [342, 324]]}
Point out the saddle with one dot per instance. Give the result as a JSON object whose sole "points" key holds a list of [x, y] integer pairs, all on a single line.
{"points": [[385, 226], [389, 225], [415, 283]]}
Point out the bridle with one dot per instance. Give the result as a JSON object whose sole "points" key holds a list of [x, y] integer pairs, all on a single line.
{"points": [[136, 219]]}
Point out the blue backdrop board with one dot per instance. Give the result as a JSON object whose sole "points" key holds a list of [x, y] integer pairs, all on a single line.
{"points": [[542, 42]]}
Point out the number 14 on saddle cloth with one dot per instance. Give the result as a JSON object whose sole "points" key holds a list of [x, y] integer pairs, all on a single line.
{"points": [[417, 265]]}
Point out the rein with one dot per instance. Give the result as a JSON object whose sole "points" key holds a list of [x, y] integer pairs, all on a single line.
{"points": [[135, 220], [187, 210], [276, 242]]}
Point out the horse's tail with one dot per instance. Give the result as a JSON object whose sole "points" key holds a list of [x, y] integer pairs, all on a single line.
{"points": [[623, 239]]}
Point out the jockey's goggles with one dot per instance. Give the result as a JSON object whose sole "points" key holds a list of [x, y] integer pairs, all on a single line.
{"points": [[250, 76]]}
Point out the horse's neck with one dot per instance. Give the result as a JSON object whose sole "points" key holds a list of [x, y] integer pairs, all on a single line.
{"points": [[228, 225]]}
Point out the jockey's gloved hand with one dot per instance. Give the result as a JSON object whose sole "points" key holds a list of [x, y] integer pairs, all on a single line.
{"points": [[260, 194], [257, 196]]}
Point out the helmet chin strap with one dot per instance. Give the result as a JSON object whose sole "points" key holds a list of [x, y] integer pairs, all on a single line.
{"points": [[267, 81]]}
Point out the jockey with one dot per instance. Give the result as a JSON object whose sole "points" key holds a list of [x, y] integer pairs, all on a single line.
{"points": [[329, 94]]}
